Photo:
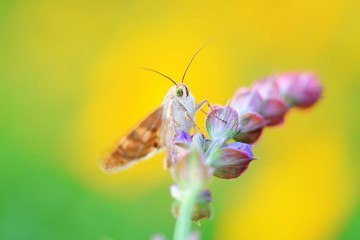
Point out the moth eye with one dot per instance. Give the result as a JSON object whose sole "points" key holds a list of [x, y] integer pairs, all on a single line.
{"points": [[179, 92]]}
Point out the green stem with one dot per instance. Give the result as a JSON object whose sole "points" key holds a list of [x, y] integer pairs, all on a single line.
{"points": [[183, 223]]}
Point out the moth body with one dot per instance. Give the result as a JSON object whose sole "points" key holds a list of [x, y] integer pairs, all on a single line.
{"points": [[174, 117]]}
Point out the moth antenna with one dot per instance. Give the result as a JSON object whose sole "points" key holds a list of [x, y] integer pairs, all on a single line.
{"points": [[182, 80], [152, 70]]}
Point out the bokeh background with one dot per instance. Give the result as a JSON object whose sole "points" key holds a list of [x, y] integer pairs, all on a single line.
{"points": [[70, 85]]}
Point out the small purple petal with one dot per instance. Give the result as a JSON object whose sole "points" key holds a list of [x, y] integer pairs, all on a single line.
{"points": [[222, 122], [243, 147], [183, 137], [181, 146], [206, 196]]}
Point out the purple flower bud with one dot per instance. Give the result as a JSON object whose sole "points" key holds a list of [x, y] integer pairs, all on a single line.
{"points": [[299, 88], [233, 164], [222, 122], [267, 88], [252, 125], [246, 100], [201, 210], [274, 111], [206, 196]]}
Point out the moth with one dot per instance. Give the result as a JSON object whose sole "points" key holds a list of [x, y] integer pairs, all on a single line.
{"points": [[157, 131]]}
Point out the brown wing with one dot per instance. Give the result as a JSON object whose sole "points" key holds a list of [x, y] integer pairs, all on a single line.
{"points": [[140, 144]]}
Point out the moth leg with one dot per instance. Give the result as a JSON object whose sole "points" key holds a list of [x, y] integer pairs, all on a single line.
{"points": [[204, 111], [201, 104], [190, 118]]}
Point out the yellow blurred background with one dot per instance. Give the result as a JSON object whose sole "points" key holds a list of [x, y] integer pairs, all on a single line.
{"points": [[70, 85]]}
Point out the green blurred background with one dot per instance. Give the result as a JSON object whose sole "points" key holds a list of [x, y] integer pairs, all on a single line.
{"points": [[69, 86]]}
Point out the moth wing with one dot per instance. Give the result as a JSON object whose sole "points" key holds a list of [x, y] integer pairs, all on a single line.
{"points": [[140, 144]]}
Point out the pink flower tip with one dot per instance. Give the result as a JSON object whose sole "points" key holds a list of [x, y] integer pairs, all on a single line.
{"points": [[300, 89]]}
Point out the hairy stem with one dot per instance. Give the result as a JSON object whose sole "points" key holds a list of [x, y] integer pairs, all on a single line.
{"points": [[183, 223]]}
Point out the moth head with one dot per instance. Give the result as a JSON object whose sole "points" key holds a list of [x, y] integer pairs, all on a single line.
{"points": [[181, 90]]}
